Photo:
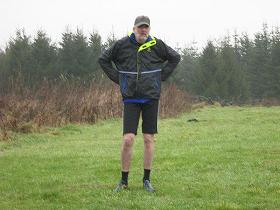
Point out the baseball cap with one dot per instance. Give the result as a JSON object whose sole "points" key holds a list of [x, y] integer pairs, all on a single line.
{"points": [[141, 20]]}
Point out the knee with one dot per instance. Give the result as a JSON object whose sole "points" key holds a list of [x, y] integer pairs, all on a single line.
{"points": [[128, 140], [148, 139]]}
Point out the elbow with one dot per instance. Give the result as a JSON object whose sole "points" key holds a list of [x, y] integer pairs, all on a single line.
{"points": [[102, 61], [99, 60], [178, 58]]}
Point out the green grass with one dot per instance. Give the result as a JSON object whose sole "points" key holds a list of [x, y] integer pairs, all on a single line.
{"points": [[230, 159]]}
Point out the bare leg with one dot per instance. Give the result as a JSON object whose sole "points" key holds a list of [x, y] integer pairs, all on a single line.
{"points": [[148, 150], [126, 150]]}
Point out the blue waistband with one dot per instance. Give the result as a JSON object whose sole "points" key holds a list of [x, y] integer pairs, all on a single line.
{"points": [[136, 100]]}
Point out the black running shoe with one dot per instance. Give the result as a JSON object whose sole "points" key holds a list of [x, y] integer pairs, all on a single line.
{"points": [[121, 186], [148, 187]]}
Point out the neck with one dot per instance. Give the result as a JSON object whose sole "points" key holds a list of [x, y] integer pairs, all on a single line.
{"points": [[140, 41]]}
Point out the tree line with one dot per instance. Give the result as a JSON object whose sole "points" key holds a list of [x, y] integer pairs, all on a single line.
{"points": [[34, 60], [237, 68]]}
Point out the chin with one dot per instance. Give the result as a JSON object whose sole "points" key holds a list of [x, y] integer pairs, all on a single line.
{"points": [[144, 38]]}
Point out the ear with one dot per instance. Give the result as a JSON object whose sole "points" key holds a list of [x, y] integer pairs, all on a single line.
{"points": [[133, 28]]}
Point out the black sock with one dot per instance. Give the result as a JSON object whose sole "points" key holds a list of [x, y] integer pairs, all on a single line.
{"points": [[146, 174], [124, 177]]}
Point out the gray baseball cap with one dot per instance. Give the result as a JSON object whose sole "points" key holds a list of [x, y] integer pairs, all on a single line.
{"points": [[142, 20]]}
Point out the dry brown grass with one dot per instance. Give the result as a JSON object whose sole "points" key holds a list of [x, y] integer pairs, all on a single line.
{"points": [[174, 101], [55, 104], [267, 102]]}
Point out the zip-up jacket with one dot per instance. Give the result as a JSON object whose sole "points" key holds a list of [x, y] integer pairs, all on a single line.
{"points": [[139, 68]]}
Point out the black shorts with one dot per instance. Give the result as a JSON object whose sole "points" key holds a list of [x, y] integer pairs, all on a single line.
{"points": [[131, 115]]}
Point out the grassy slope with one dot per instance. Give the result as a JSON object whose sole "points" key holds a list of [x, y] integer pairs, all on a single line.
{"points": [[230, 159]]}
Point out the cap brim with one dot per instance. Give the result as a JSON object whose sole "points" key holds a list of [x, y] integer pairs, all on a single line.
{"points": [[142, 23]]}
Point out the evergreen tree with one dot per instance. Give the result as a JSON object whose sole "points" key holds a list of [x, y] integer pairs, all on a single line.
{"points": [[259, 71], [184, 75], [206, 74], [95, 47], [275, 63], [18, 57], [229, 76], [74, 54], [246, 47], [44, 57]]}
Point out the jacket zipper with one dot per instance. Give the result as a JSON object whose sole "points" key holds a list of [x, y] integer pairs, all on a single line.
{"points": [[138, 71], [137, 64]]}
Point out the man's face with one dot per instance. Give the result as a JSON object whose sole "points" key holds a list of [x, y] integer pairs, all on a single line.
{"points": [[141, 33]]}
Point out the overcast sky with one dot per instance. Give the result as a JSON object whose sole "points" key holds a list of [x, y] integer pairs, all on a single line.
{"points": [[175, 21]]}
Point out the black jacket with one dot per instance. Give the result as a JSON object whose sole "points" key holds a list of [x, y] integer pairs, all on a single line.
{"points": [[140, 68]]}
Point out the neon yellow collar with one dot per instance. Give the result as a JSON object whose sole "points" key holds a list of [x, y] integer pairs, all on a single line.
{"points": [[146, 44]]}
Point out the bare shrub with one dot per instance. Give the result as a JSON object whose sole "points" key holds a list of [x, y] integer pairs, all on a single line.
{"points": [[64, 101]]}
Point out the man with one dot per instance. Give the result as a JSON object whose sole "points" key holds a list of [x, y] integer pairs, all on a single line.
{"points": [[142, 62]]}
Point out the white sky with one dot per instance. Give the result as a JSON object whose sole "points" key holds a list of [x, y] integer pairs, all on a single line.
{"points": [[178, 22]]}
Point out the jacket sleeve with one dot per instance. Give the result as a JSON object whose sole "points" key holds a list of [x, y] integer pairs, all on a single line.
{"points": [[172, 57], [105, 61]]}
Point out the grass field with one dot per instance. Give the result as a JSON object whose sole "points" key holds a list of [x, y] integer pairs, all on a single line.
{"points": [[229, 159]]}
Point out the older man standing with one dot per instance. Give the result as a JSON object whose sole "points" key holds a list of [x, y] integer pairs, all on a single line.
{"points": [[142, 62]]}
